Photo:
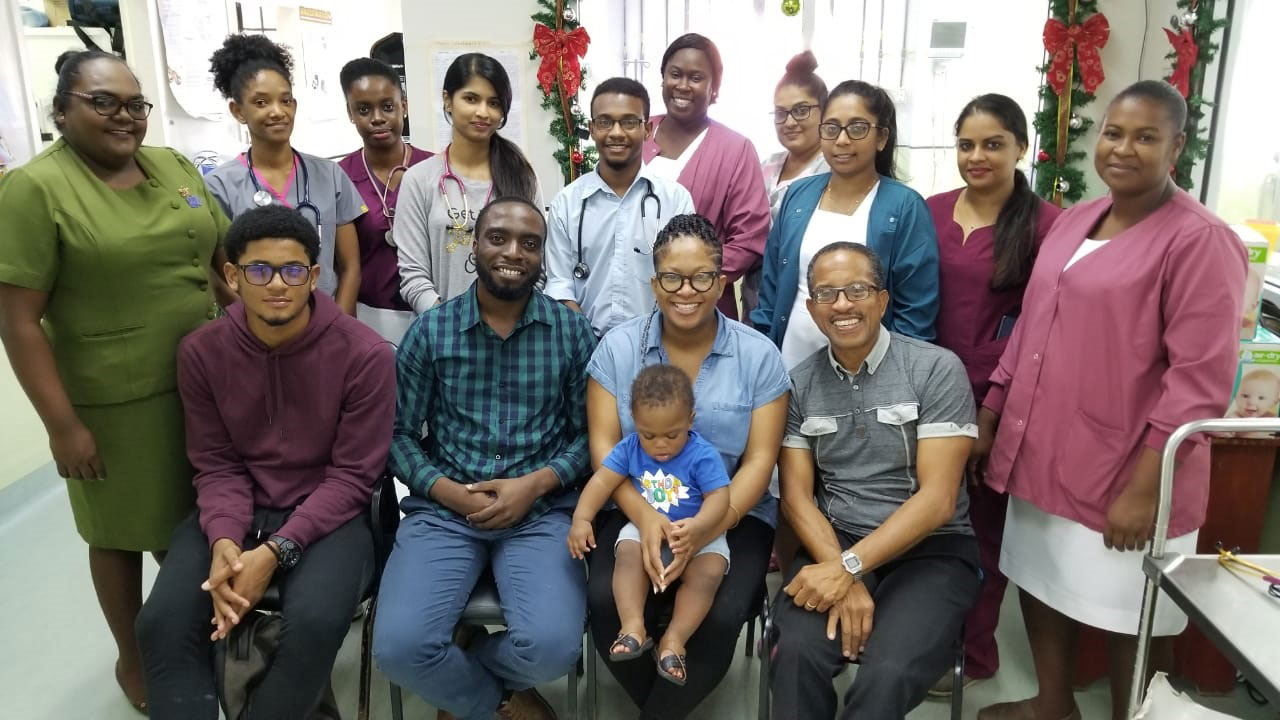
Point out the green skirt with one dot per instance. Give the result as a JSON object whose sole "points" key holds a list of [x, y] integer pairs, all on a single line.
{"points": [[148, 490]]}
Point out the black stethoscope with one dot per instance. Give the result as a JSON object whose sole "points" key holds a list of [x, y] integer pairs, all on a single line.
{"points": [[581, 271], [262, 198]]}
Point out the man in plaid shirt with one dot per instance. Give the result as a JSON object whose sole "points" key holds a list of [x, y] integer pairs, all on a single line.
{"points": [[498, 374]]}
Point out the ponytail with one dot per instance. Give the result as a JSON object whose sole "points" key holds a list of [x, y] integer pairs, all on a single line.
{"points": [[512, 174], [1015, 232]]}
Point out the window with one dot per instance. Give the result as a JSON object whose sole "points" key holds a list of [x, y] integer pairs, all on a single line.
{"points": [[931, 55]]}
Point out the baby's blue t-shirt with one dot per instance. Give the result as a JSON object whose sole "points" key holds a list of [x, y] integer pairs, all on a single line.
{"points": [[675, 487]]}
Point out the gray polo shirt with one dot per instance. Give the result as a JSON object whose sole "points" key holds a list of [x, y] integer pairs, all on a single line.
{"points": [[862, 427]]}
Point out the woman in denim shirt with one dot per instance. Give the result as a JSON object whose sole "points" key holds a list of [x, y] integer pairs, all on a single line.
{"points": [[741, 395]]}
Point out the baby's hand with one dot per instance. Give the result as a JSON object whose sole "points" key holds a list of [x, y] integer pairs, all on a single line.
{"points": [[582, 539], [680, 538]]}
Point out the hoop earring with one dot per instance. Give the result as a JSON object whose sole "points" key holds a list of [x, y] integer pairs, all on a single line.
{"points": [[470, 264]]}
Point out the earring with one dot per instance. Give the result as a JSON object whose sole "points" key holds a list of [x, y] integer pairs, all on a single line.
{"points": [[470, 264]]}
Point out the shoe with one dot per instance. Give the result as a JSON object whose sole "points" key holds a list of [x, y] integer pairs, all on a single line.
{"points": [[1019, 710], [526, 705], [946, 683]]}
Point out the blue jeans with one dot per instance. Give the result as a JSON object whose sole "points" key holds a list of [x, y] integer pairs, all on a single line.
{"points": [[428, 579]]}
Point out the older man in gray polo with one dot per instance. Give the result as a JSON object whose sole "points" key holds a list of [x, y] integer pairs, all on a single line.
{"points": [[879, 430]]}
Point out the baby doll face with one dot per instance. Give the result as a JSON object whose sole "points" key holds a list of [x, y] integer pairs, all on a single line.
{"points": [[663, 429], [1258, 395]]}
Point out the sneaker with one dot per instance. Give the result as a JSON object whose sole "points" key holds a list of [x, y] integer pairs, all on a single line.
{"points": [[942, 688], [526, 705]]}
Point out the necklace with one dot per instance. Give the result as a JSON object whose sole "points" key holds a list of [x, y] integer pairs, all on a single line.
{"points": [[967, 208], [459, 234], [388, 212], [857, 203]]}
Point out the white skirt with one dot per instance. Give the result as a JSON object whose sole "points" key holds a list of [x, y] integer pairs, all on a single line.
{"points": [[390, 324], [1066, 566]]}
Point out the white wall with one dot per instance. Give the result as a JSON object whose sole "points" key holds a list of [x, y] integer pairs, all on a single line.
{"points": [[507, 24], [356, 25]]}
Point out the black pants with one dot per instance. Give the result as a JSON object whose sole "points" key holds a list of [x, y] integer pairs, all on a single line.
{"points": [[318, 596], [921, 599], [710, 649]]}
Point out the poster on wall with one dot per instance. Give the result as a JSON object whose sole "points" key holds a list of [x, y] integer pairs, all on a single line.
{"points": [[319, 71], [511, 59], [192, 31]]}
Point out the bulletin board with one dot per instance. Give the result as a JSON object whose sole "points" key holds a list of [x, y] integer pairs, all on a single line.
{"points": [[513, 58]]}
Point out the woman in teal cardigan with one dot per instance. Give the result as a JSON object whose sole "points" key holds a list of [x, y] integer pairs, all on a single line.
{"points": [[858, 201]]}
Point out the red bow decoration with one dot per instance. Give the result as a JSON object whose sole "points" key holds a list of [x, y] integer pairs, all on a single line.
{"points": [[560, 51], [1184, 45], [1086, 39]]}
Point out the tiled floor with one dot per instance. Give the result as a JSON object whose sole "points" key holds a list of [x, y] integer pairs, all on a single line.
{"points": [[57, 654]]}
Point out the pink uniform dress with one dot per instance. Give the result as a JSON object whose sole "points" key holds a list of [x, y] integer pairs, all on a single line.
{"points": [[1111, 354]]}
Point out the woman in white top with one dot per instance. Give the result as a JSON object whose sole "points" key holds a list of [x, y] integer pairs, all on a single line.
{"points": [[797, 110], [440, 197], [858, 201]]}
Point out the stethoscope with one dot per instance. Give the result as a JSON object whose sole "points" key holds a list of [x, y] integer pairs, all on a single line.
{"points": [[581, 271], [388, 212], [458, 233], [262, 198]]}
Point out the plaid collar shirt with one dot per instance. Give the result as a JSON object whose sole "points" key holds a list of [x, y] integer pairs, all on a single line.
{"points": [[494, 407]]}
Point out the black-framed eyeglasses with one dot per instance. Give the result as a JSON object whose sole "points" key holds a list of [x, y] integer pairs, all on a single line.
{"points": [[799, 112], [857, 292], [700, 282], [630, 123], [108, 105], [856, 130], [263, 274]]}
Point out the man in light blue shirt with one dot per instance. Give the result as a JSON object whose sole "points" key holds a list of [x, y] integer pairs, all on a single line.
{"points": [[602, 226]]}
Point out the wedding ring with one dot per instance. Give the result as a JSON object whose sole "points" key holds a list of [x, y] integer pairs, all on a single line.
{"points": [[810, 606]]}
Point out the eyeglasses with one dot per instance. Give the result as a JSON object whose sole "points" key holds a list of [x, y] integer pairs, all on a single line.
{"points": [[108, 105], [856, 292], [700, 282], [856, 130], [263, 274], [799, 112], [630, 123]]}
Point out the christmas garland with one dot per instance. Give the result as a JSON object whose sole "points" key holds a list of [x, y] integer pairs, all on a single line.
{"points": [[559, 40], [1073, 35], [1190, 33]]}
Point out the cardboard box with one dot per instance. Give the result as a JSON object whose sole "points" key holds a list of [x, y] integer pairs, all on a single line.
{"points": [[58, 11], [1257, 388], [1257, 250]]}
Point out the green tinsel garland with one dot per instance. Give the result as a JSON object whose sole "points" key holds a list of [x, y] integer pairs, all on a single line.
{"points": [[1197, 147], [570, 140], [1046, 120]]}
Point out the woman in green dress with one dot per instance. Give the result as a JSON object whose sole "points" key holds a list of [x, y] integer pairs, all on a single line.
{"points": [[105, 265]]}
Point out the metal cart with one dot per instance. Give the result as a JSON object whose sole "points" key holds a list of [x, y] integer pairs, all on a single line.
{"points": [[1234, 612]]}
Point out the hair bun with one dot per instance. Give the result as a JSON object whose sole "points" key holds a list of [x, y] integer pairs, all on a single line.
{"points": [[803, 64], [63, 58], [240, 49]]}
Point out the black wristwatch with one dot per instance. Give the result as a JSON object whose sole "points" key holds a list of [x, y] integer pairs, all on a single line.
{"points": [[287, 552]]}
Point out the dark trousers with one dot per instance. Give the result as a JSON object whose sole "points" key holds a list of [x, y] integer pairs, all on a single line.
{"points": [[921, 599], [710, 649], [318, 597], [986, 511]]}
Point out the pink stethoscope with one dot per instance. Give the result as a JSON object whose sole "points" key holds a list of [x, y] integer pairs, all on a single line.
{"points": [[387, 211], [458, 233]]}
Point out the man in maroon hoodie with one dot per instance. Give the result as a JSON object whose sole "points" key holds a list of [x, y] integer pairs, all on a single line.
{"points": [[289, 406]]}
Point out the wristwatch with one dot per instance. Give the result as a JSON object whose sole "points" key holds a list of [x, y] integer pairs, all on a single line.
{"points": [[289, 552], [852, 563]]}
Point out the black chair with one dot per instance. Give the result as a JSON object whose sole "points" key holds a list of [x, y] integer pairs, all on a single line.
{"points": [[384, 518], [766, 657]]}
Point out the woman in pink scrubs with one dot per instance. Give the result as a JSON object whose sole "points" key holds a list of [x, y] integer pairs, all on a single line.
{"points": [[989, 231], [1129, 329]]}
